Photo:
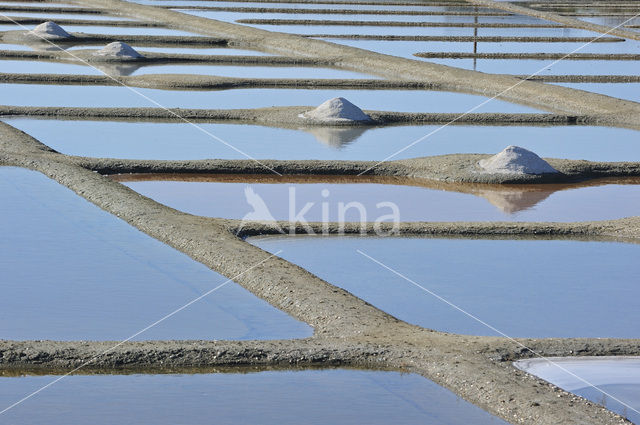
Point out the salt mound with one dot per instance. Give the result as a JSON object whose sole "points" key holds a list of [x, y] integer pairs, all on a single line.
{"points": [[516, 160], [50, 31], [337, 109], [118, 50]]}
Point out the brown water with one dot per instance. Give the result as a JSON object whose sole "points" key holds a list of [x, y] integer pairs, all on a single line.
{"points": [[231, 196]]}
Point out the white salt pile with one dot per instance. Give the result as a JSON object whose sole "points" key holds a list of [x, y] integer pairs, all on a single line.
{"points": [[337, 109], [516, 160], [118, 50], [49, 31]]}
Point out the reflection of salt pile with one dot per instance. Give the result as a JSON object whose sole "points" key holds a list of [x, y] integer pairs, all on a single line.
{"points": [[337, 110], [516, 160], [118, 50], [513, 201], [42, 46], [336, 137], [118, 69], [49, 31]]}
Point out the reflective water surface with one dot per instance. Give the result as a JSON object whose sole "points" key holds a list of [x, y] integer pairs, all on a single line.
{"points": [[97, 29], [617, 379], [326, 199], [154, 140], [390, 100], [628, 91], [272, 397], [71, 271], [45, 67], [523, 288]]}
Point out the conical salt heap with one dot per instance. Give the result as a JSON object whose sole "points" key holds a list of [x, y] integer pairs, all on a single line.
{"points": [[337, 109], [516, 160], [118, 50], [49, 31]]}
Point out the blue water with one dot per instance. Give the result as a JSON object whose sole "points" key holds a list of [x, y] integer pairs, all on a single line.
{"points": [[43, 67], [413, 203], [139, 140], [522, 288], [628, 91], [71, 271], [192, 50], [106, 29], [390, 100], [46, 16], [311, 397], [613, 381]]}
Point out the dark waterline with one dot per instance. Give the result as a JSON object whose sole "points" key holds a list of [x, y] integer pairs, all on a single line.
{"points": [[153, 140], [326, 199], [616, 379]]}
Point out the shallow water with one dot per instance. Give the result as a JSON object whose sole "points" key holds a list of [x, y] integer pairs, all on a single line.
{"points": [[616, 376], [4, 46], [95, 29], [617, 47], [398, 7], [629, 91], [200, 3], [311, 396], [249, 71], [43, 67], [46, 16], [543, 67], [234, 16], [408, 48], [43, 5], [193, 50], [433, 31], [439, 31], [415, 200], [522, 288], [426, 7], [152, 140], [393, 100], [71, 271], [613, 21], [182, 3]]}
